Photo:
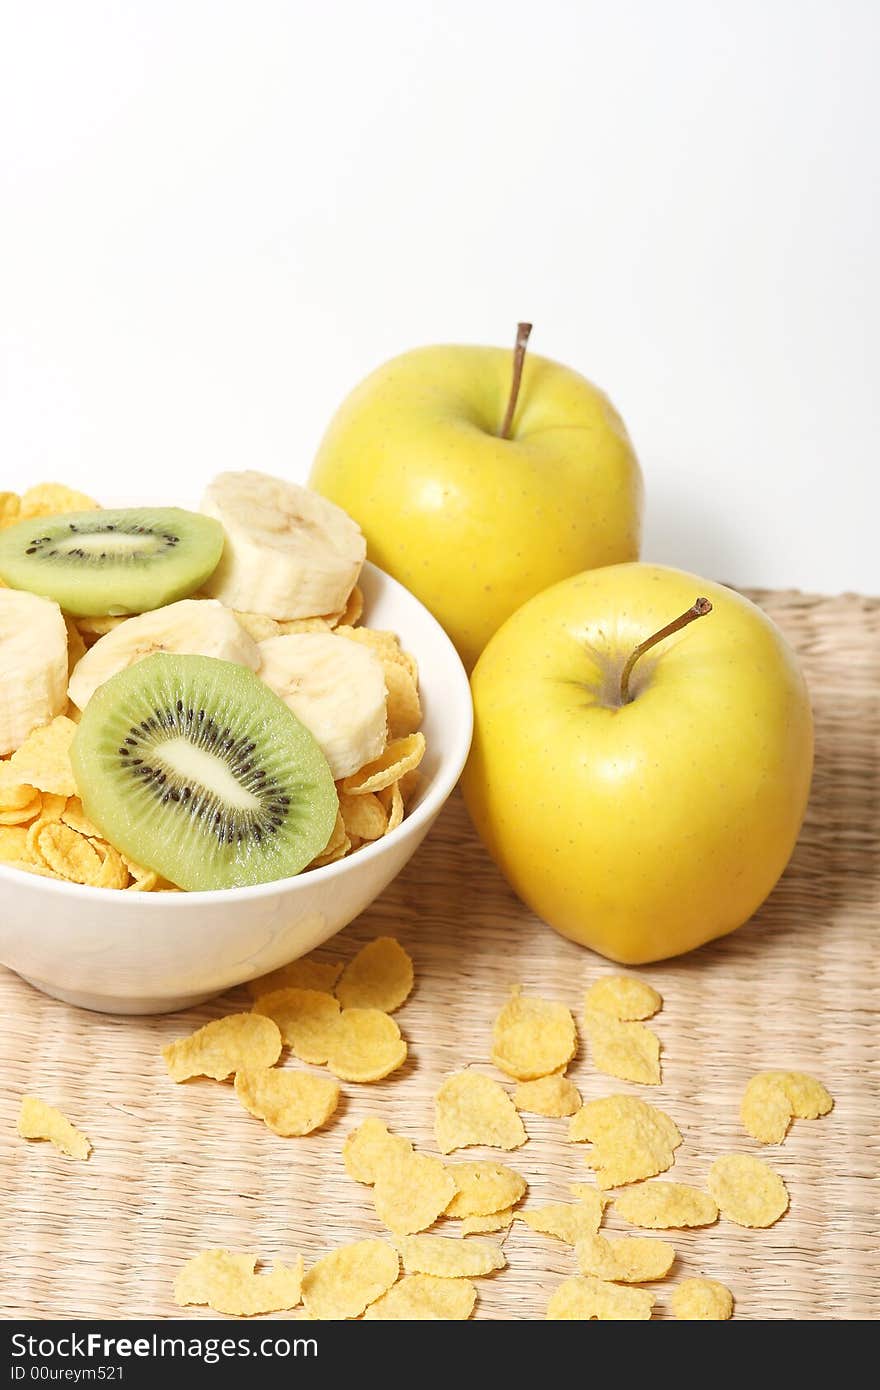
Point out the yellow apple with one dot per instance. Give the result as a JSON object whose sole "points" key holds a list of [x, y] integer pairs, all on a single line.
{"points": [[647, 821], [475, 523]]}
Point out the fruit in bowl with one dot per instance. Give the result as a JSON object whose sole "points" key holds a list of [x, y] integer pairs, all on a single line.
{"points": [[479, 480], [209, 749], [642, 757]]}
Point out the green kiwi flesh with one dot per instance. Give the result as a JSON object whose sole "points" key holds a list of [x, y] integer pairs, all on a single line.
{"points": [[102, 562], [195, 768]]}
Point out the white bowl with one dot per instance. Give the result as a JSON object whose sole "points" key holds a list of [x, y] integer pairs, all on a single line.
{"points": [[140, 953]]}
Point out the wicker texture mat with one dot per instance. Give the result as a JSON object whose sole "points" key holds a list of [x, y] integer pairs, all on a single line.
{"points": [[176, 1169]]}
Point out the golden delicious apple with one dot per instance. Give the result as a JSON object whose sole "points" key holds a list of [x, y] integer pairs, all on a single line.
{"points": [[639, 776], [478, 481]]}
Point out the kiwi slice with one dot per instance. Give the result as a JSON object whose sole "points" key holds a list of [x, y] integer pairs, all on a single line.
{"points": [[112, 561], [195, 768]]}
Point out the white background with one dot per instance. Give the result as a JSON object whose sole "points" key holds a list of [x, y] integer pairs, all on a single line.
{"points": [[216, 217]]}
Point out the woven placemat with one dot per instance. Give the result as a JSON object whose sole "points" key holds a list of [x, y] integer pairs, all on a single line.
{"points": [[177, 1169]]}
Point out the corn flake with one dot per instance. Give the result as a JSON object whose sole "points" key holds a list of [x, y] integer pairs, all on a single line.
{"points": [[228, 1284], [404, 705], [747, 1190], [51, 499], [629, 1051], [624, 997], [114, 870], [257, 625], [290, 1102], [702, 1300], [370, 1148], [401, 755], [343, 1283], [473, 1109], [70, 854], [363, 816], [299, 974], [567, 1221], [420, 1297], [224, 1046], [532, 1037], [74, 816], [392, 799], [483, 1188], [624, 1259], [23, 815], [379, 977], [449, 1258], [14, 794], [37, 1120], [584, 1298], [773, 1098], [365, 1045], [10, 510], [552, 1095], [483, 1225], [13, 843], [411, 1192], [307, 1019], [662, 1205], [43, 760], [631, 1139]]}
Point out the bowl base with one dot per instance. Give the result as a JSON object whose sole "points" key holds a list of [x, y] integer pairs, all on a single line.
{"points": [[121, 1003]]}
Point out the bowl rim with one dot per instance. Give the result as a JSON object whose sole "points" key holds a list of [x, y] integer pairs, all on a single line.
{"points": [[437, 793]]}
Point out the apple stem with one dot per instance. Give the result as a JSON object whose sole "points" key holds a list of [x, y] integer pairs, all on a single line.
{"points": [[519, 356], [700, 608]]}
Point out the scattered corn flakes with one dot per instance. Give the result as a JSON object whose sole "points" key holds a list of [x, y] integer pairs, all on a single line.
{"points": [[290, 1102], [747, 1190], [37, 1120], [343, 1283], [567, 1221], [228, 1284], [449, 1258], [624, 1259], [401, 756], [483, 1187], [473, 1109], [629, 1051], [379, 977], [631, 1139], [411, 1191], [419, 1297], [773, 1098], [363, 816], [404, 705], [483, 1225], [370, 1148], [552, 1095], [532, 1037], [702, 1300], [365, 1045], [43, 760], [662, 1205], [584, 1298], [624, 997], [307, 1019], [304, 973], [51, 499], [224, 1046]]}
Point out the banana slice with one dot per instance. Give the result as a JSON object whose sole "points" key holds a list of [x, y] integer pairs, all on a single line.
{"points": [[33, 665], [191, 627], [289, 553], [336, 688]]}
